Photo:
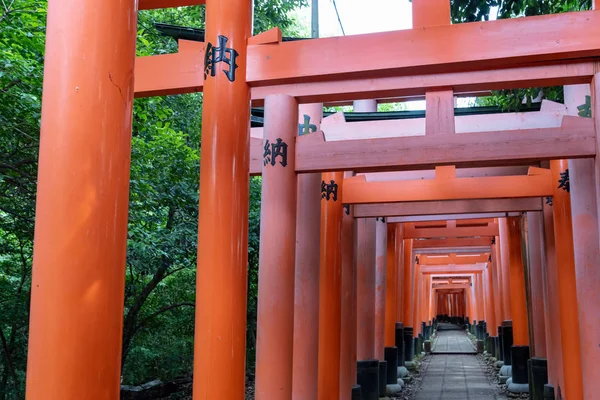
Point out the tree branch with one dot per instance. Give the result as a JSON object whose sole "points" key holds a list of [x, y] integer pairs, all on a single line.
{"points": [[9, 361], [162, 310]]}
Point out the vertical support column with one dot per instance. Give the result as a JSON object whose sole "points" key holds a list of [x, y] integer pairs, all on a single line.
{"points": [[391, 293], [518, 303], [534, 251], [367, 256], [584, 212], [220, 335], [417, 294], [430, 13], [306, 309], [408, 300], [489, 295], [505, 266], [567, 289], [400, 273], [365, 237], [556, 375], [380, 283], [496, 285], [277, 254], [77, 289], [330, 295], [348, 346]]}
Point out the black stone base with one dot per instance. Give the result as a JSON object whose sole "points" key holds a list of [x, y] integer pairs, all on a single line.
{"points": [[367, 376], [409, 345], [507, 342], [391, 357], [491, 342], [548, 392], [382, 377], [399, 341], [500, 345], [356, 395], [519, 357], [538, 377]]}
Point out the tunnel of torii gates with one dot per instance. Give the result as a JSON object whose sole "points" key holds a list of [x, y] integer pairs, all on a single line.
{"points": [[371, 232]]}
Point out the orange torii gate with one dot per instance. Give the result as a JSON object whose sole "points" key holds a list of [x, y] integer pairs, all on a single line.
{"points": [[81, 216]]}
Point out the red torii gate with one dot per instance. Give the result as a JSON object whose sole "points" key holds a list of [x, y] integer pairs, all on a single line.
{"points": [[81, 216]]}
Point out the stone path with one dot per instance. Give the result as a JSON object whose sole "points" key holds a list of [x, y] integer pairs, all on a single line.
{"points": [[455, 376], [452, 341]]}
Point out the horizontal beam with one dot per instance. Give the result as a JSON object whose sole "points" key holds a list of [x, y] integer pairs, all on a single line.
{"points": [[574, 139], [431, 55], [462, 259], [452, 243], [443, 217], [436, 208], [450, 286], [452, 269], [460, 173], [430, 50], [410, 232], [358, 191], [154, 4], [457, 250], [416, 126]]}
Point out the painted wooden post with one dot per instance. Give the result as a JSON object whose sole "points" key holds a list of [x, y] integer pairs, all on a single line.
{"points": [[330, 290], [348, 346], [408, 290], [391, 282], [277, 255], [308, 233], [380, 286], [400, 274], [220, 335], [496, 284], [584, 213], [365, 237], [517, 283], [417, 293], [76, 320], [556, 375], [505, 265], [567, 289], [489, 300], [366, 257], [534, 251]]}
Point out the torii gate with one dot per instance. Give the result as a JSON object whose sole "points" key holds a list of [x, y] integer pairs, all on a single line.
{"points": [[81, 216]]}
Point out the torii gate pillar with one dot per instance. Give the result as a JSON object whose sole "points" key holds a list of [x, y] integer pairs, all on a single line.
{"points": [[220, 338], [76, 320]]}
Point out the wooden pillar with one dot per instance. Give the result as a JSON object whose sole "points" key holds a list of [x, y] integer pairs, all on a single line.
{"points": [[380, 280], [537, 327], [365, 238], [330, 295], [391, 283], [367, 256], [505, 266], [567, 290], [496, 284], [306, 309], [582, 179], [400, 275], [77, 289], [220, 335], [408, 284], [489, 300], [277, 255], [417, 290], [348, 346], [518, 303], [480, 297], [556, 375]]}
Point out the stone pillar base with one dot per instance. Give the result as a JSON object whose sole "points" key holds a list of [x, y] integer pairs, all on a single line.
{"points": [[538, 373], [520, 355], [367, 376]]}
